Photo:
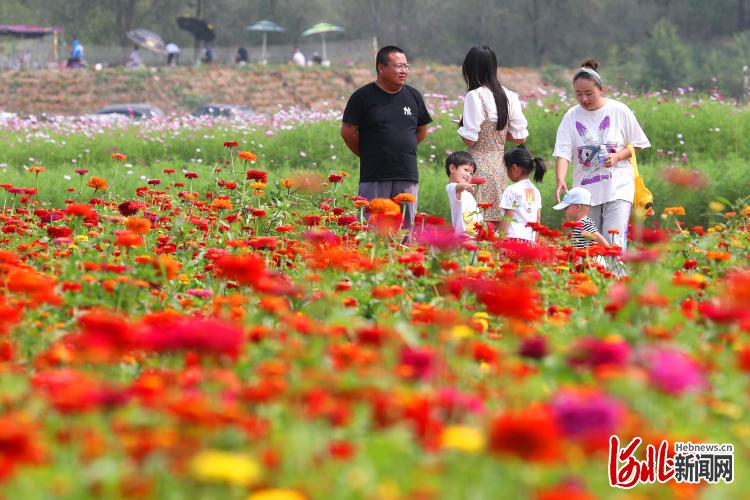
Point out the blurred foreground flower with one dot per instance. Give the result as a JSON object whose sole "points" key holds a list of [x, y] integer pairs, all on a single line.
{"points": [[685, 177], [221, 466], [462, 438], [673, 371], [276, 494], [531, 434]]}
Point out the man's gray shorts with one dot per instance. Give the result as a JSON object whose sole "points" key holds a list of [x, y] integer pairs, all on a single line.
{"points": [[390, 189]]}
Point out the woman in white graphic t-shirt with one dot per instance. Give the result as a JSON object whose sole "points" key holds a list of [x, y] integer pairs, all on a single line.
{"points": [[594, 135]]}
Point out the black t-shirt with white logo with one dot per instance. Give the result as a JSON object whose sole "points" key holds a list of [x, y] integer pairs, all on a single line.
{"points": [[387, 131]]}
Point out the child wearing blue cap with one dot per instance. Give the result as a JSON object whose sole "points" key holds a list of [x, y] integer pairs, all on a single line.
{"points": [[577, 203]]}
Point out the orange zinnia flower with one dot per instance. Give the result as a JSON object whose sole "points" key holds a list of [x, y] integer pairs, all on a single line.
{"points": [[97, 183], [247, 156], [138, 225], [119, 156], [384, 206], [674, 211], [405, 198], [28, 281], [169, 266], [128, 238], [221, 204]]}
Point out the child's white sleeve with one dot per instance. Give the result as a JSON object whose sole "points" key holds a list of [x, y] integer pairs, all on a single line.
{"points": [[506, 200], [457, 216]]}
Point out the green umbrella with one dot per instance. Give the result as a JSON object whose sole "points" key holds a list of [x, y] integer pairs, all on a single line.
{"points": [[265, 26], [322, 29]]}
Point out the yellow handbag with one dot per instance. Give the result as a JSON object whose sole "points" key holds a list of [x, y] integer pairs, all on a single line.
{"points": [[643, 202]]}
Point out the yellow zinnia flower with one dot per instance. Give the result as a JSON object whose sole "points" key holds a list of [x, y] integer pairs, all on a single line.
{"points": [[222, 466], [462, 438], [276, 494]]}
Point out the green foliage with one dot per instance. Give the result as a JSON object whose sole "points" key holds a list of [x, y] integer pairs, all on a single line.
{"points": [[554, 74], [666, 57], [712, 135], [728, 66]]}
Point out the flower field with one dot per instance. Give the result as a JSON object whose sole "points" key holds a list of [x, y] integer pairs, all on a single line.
{"points": [[196, 311]]}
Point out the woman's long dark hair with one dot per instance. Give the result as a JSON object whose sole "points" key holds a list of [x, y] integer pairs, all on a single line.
{"points": [[480, 69]]}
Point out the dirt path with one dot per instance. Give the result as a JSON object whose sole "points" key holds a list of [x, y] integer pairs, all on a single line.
{"points": [[185, 88]]}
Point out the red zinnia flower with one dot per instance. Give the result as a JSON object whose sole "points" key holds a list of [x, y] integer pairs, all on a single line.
{"points": [[79, 210], [59, 232], [531, 434], [246, 269], [257, 175], [204, 336], [128, 208]]}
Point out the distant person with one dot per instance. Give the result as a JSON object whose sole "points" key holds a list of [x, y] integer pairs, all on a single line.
{"points": [[492, 115], [76, 55], [594, 135], [208, 55], [173, 54], [298, 57], [316, 59], [134, 59], [242, 57], [383, 123]]}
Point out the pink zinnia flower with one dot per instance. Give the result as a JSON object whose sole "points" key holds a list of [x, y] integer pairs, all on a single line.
{"points": [[673, 371]]}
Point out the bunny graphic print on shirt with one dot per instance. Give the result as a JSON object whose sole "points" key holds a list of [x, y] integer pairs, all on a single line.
{"points": [[584, 138]]}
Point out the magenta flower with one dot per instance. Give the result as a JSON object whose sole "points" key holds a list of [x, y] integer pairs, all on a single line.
{"points": [[672, 371], [586, 414], [419, 359]]}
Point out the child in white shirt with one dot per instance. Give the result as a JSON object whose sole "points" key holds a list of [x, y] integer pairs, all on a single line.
{"points": [[460, 167], [521, 200]]}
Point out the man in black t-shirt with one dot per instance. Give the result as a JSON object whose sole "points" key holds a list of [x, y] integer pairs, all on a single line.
{"points": [[383, 123]]}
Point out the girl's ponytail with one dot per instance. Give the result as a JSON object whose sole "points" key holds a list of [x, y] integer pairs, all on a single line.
{"points": [[522, 157], [540, 168]]}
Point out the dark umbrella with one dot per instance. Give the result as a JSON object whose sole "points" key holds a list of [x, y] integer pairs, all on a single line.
{"points": [[147, 39], [201, 30]]}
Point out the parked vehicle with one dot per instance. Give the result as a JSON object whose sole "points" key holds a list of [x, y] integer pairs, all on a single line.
{"points": [[224, 110], [134, 111]]}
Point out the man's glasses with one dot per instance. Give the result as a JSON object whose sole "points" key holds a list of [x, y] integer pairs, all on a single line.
{"points": [[401, 66]]}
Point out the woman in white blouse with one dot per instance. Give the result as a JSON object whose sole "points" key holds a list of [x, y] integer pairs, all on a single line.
{"points": [[492, 115]]}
